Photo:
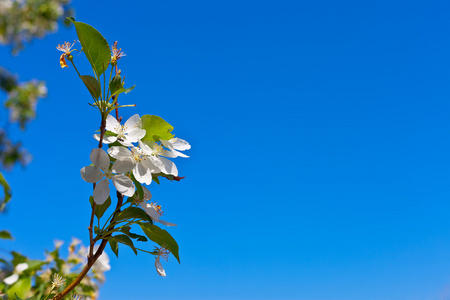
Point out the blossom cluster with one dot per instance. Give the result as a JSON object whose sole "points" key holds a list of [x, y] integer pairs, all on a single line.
{"points": [[128, 158]]}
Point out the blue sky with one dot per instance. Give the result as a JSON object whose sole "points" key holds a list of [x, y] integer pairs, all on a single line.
{"points": [[319, 165]]}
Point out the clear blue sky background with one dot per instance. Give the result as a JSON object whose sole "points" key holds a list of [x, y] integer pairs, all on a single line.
{"points": [[320, 130]]}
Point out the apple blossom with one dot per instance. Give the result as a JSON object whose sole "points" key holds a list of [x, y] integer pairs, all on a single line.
{"points": [[164, 253], [176, 144], [15, 276], [139, 162], [154, 152], [155, 212], [130, 132], [93, 174]]}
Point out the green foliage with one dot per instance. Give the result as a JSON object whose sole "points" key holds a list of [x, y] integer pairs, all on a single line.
{"points": [[6, 192], [156, 129], [162, 238], [132, 212], [116, 86], [20, 288], [114, 247], [92, 85], [124, 239], [22, 21], [95, 47], [5, 235], [100, 209]]}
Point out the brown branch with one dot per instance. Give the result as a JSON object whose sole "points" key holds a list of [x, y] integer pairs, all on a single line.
{"points": [[92, 259]]}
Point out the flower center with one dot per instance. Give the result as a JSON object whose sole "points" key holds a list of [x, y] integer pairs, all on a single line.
{"points": [[164, 253], [157, 208], [120, 129], [108, 174], [137, 154], [157, 150]]}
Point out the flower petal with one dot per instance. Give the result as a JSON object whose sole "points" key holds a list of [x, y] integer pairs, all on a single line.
{"points": [[142, 173], [14, 277], [165, 165], [119, 152], [145, 148], [123, 165], [147, 194], [101, 192], [107, 139], [91, 174], [136, 134], [180, 144], [159, 267], [124, 185], [21, 267], [133, 122], [150, 210], [148, 163], [100, 158], [112, 124], [167, 223]]}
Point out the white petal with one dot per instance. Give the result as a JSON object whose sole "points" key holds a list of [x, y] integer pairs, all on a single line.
{"points": [[153, 214], [136, 134], [100, 158], [179, 144], [177, 153], [14, 277], [119, 152], [112, 124], [165, 165], [132, 123], [170, 153], [101, 192], [159, 267], [91, 174], [167, 223], [145, 148], [107, 139], [147, 194], [21, 267], [123, 165], [124, 185], [142, 173], [148, 163]]}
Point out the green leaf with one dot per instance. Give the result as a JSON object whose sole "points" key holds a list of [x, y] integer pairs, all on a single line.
{"points": [[126, 230], [123, 239], [133, 213], [18, 258], [116, 86], [156, 129], [6, 191], [94, 46], [20, 288], [114, 247], [92, 85], [100, 209], [35, 264], [161, 237], [5, 235]]}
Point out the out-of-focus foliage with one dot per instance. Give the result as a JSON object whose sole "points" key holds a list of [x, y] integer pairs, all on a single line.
{"points": [[22, 21], [33, 278]]}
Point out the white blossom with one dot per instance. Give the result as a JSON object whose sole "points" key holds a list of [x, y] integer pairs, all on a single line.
{"points": [[130, 132], [137, 161], [17, 271], [176, 144], [93, 174], [155, 212], [164, 254], [155, 152]]}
